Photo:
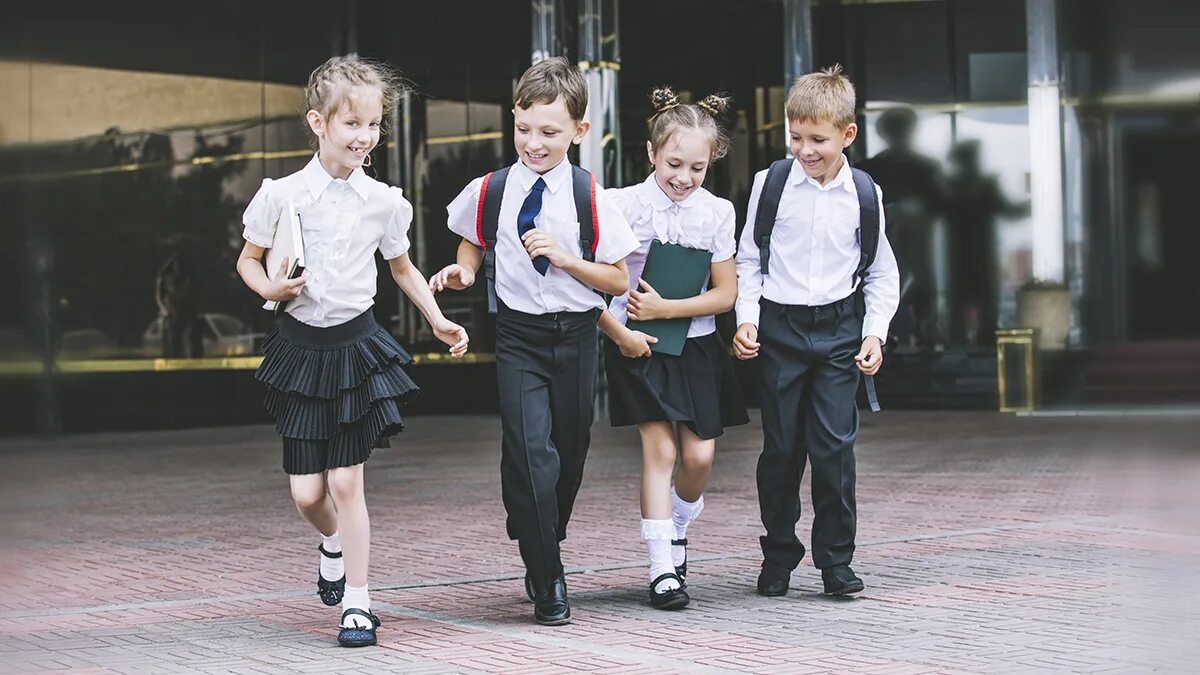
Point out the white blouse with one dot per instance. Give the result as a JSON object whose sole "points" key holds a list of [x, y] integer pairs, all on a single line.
{"points": [[703, 221], [343, 223]]}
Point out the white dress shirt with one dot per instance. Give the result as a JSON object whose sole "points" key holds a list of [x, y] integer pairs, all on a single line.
{"points": [[518, 283], [343, 223], [815, 251], [703, 221]]}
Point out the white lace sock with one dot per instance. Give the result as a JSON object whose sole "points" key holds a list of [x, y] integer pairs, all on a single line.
{"points": [[682, 515], [658, 535], [356, 597], [332, 569]]}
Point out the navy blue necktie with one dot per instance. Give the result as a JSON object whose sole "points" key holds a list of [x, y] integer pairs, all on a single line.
{"points": [[529, 210]]}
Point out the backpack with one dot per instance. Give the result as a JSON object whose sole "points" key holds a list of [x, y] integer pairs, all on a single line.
{"points": [[487, 220], [868, 233]]}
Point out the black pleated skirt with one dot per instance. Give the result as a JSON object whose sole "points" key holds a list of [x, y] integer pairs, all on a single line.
{"points": [[697, 388], [335, 392]]}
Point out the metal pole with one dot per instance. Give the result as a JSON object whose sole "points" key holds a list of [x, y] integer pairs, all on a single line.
{"points": [[599, 58], [797, 48], [797, 40], [545, 38]]}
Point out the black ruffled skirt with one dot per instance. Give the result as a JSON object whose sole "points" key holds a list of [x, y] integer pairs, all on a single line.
{"points": [[335, 392], [697, 388]]}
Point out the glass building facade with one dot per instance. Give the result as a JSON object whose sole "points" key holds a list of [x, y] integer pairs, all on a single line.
{"points": [[132, 138]]}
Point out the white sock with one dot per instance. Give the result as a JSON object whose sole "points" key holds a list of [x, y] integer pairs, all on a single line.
{"points": [[682, 515], [658, 535], [356, 597], [332, 569]]}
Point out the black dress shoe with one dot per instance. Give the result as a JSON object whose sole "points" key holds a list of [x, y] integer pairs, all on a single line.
{"points": [[773, 579], [841, 580], [529, 587], [551, 607]]}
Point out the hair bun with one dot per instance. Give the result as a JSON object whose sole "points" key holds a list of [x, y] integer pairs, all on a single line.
{"points": [[714, 104], [663, 99]]}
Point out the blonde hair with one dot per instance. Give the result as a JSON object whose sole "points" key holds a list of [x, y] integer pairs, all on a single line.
{"points": [[328, 87], [823, 96], [670, 115], [547, 80]]}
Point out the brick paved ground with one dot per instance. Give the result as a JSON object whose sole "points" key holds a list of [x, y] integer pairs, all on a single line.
{"points": [[988, 544]]}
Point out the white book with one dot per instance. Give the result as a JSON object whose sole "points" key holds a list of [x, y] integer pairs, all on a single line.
{"points": [[288, 243]]}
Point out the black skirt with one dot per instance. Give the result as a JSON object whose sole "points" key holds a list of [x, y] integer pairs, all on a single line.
{"points": [[335, 392], [697, 388]]}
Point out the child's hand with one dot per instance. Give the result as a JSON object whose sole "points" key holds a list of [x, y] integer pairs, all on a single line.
{"points": [[870, 357], [282, 288], [646, 305], [635, 344], [455, 277], [540, 243], [745, 342], [452, 334]]}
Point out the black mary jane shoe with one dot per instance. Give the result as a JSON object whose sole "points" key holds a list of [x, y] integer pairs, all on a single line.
{"points": [[330, 592], [352, 636], [676, 598], [551, 608], [681, 570]]}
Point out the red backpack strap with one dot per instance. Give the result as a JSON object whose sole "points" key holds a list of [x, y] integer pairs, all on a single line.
{"points": [[583, 187], [487, 217], [479, 211]]}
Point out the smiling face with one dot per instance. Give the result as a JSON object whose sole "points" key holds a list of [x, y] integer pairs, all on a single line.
{"points": [[351, 132], [543, 132], [819, 145], [681, 164]]}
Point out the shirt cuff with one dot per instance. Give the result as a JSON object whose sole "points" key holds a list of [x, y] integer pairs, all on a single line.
{"points": [[875, 327], [748, 313]]}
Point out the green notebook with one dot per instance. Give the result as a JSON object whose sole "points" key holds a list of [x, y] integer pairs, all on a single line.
{"points": [[676, 272]]}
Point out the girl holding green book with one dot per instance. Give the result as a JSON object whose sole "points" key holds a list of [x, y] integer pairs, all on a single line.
{"points": [[668, 370]]}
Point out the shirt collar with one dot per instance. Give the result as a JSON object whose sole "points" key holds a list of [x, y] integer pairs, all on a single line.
{"points": [[843, 179], [554, 177], [655, 197], [317, 179]]}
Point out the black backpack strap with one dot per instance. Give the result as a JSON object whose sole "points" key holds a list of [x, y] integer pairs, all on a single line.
{"points": [[487, 223], [868, 244], [583, 186], [868, 224], [768, 207]]}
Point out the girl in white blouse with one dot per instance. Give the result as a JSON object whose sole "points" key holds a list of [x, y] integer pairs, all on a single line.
{"points": [[694, 394], [334, 376]]}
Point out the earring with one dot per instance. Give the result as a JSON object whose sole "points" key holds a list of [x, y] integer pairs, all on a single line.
{"points": [[367, 162]]}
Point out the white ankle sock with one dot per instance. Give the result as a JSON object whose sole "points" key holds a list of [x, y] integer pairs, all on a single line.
{"points": [[332, 569], [682, 515], [658, 535], [356, 597]]}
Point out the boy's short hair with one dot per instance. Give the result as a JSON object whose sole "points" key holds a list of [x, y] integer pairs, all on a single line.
{"points": [[547, 80], [823, 96]]}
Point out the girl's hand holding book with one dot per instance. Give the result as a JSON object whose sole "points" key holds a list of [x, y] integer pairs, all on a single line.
{"points": [[646, 304], [282, 288]]}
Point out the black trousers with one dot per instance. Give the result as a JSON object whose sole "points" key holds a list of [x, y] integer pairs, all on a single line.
{"points": [[808, 386], [546, 367]]}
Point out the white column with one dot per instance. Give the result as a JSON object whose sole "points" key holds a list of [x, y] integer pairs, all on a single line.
{"points": [[1045, 140]]}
